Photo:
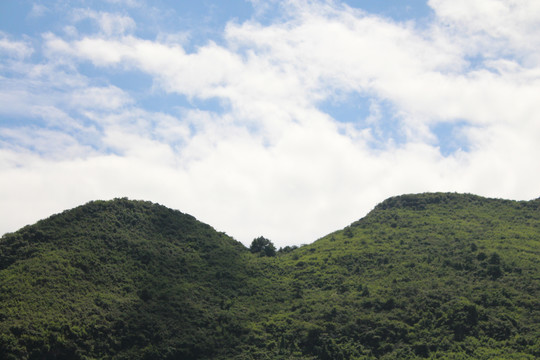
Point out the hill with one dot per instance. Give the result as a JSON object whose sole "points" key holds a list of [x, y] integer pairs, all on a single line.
{"points": [[442, 276], [128, 278]]}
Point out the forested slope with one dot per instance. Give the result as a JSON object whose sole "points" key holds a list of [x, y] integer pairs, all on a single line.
{"points": [[432, 275], [421, 276], [118, 279]]}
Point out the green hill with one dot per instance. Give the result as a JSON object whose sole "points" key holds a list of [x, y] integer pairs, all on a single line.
{"points": [[441, 276]]}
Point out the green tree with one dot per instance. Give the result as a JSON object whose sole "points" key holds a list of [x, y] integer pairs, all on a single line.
{"points": [[287, 249], [263, 247]]}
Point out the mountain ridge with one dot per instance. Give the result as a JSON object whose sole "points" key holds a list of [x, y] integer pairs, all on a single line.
{"points": [[436, 275]]}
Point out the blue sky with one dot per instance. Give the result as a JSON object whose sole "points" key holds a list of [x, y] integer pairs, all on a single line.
{"points": [[287, 119]]}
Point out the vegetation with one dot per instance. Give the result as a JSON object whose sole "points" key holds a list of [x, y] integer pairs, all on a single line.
{"points": [[263, 247], [437, 276]]}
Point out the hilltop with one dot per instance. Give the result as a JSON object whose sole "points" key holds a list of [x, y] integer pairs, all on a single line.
{"points": [[421, 276]]}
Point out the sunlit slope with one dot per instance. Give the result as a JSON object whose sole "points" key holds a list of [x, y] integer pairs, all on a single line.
{"points": [[431, 275]]}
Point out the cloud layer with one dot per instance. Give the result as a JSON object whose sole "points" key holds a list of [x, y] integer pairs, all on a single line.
{"points": [[245, 142]]}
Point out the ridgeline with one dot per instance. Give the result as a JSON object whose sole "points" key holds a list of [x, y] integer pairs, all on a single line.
{"points": [[437, 276]]}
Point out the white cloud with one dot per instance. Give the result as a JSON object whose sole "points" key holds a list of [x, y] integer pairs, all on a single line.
{"points": [[271, 162], [492, 28], [46, 143], [109, 98], [109, 24], [17, 49], [38, 10]]}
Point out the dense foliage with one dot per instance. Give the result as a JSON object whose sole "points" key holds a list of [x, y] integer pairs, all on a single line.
{"points": [[263, 247], [441, 276], [132, 279]]}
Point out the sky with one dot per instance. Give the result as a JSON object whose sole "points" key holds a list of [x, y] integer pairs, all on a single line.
{"points": [[285, 119]]}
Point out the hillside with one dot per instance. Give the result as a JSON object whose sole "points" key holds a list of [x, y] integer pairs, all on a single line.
{"points": [[442, 276], [432, 275], [122, 277]]}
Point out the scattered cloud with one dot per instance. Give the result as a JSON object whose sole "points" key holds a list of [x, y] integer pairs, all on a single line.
{"points": [[38, 10]]}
